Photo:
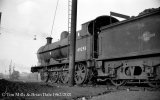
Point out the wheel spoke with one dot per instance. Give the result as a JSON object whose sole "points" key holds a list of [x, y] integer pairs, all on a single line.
{"points": [[44, 76], [80, 73], [54, 77], [64, 75], [118, 82]]}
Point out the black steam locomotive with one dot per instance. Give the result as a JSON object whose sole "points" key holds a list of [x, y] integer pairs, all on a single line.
{"points": [[120, 51]]}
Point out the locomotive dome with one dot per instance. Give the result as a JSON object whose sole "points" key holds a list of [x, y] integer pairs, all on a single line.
{"points": [[64, 35]]}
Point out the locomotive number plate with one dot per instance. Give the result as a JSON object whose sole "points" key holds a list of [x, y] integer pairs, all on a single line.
{"points": [[81, 49]]}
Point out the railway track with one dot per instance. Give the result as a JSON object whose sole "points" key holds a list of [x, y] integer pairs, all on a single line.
{"points": [[129, 88], [78, 92], [112, 88]]}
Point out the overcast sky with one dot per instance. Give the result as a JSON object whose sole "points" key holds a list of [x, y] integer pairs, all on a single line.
{"points": [[22, 19]]}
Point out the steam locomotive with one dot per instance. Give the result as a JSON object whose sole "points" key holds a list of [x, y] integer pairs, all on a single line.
{"points": [[125, 51]]}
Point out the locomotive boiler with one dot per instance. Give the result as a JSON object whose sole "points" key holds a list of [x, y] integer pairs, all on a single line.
{"points": [[120, 51]]}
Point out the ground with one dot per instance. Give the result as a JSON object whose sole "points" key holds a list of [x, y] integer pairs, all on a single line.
{"points": [[40, 91], [129, 95]]}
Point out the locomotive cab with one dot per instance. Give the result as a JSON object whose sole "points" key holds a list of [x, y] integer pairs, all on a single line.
{"points": [[94, 29]]}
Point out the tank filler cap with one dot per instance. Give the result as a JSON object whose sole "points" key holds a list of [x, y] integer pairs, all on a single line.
{"points": [[49, 40]]}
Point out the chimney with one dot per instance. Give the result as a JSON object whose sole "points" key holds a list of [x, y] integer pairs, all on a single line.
{"points": [[49, 40]]}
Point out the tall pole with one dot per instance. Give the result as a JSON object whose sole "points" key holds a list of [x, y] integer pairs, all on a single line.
{"points": [[0, 17], [72, 43], [0, 21]]}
